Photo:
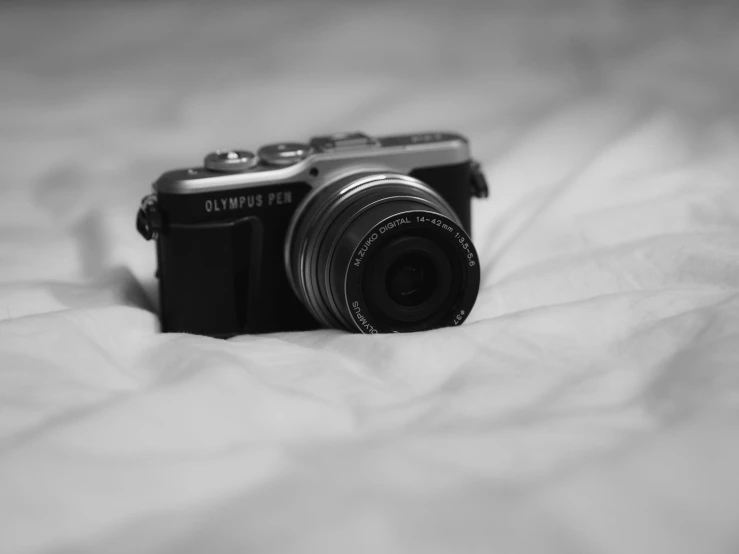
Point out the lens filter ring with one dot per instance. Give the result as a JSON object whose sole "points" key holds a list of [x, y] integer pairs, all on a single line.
{"points": [[415, 241]]}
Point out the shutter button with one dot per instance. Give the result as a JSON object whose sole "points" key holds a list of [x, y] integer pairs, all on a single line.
{"points": [[284, 153], [230, 160]]}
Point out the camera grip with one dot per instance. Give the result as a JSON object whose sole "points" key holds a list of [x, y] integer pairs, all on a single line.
{"points": [[211, 273]]}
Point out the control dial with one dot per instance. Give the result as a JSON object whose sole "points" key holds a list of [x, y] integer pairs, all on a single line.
{"points": [[284, 153], [230, 160]]}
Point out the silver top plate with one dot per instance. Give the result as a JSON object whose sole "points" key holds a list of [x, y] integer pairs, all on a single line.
{"points": [[330, 155]]}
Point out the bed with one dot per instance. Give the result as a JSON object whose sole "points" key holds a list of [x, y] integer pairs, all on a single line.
{"points": [[588, 404]]}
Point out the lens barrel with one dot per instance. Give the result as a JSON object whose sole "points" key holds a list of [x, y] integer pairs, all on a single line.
{"points": [[379, 253]]}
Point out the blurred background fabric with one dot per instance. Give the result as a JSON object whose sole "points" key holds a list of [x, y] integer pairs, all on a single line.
{"points": [[589, 404]]}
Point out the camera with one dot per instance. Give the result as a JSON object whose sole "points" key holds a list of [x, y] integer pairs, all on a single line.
{"points": [[350, 231]]}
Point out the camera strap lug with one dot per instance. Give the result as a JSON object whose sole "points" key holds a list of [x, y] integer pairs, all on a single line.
{"points": [[148, 219], [478, 183]]}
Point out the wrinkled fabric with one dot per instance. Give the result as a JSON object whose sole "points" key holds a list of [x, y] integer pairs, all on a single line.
{"points": [[588, 404]]}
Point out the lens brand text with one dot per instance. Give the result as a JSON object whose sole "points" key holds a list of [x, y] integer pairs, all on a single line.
{"points": [[368, 328], [373, 237]]}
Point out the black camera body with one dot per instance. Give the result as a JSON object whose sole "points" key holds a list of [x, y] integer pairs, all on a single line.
{"points": [[245, 242]]}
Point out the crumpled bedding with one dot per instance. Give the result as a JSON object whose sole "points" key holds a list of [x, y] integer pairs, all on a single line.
{"points": [[589, 403]]}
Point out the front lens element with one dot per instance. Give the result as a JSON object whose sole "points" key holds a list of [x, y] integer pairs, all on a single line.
{"points": [[382, 253], [411, 280]]}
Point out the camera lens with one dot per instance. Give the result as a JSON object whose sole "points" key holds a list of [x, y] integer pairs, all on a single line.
{"points": [[380, 253]]}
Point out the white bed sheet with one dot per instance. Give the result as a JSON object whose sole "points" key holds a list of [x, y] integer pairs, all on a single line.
{"points": [[589, 404]]}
